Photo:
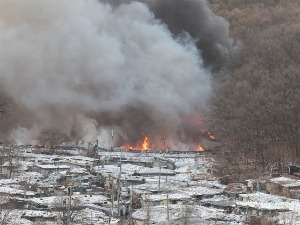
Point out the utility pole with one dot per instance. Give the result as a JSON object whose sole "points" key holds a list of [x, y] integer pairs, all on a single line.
{"points": [[159, 178], [131, 198], [164, 142], [119, 184], [112, 134], [112, 199], [148, 211], [69, 205], [2, 216], [168, 215], [166, 178], [148, 207], [112, 139], [91, 217]]}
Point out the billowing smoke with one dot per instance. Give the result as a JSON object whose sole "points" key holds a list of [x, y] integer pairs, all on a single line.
{"points": [[87, 67], [210, 32]]}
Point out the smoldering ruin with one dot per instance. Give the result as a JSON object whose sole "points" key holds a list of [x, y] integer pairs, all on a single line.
{"points": [[88, 66]]}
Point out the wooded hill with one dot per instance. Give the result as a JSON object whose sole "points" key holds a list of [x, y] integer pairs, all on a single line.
{"points": [[255, 111]]}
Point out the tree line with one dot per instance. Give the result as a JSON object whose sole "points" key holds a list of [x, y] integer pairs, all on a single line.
{"points": [[255, 111]]}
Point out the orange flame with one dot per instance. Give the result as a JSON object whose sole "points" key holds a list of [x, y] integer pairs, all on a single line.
{"points": [[200, 148], [145, 145], [211, 136], [142, 146]]}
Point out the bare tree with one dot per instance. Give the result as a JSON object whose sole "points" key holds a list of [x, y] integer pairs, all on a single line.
{"points": [[5, 210], [68, 208], [260, 221], [53, 138], [148, 211], [39, 222], [5, 101], [9, 155], [187, 212]]}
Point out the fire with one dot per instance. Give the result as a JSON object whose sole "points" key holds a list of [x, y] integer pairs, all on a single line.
{"points": [[145, 145], [200, 148], [211, 136]]}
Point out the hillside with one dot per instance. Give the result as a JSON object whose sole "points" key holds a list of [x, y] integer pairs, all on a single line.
{"points": [[255, 110]]}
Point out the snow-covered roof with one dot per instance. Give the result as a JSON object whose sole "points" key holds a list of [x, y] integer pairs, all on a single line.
{"points": [[286, 181], [14, 191], [83, 158], [198, 214], [196, 191], [262, 197], [51, 166], [156, 170], [126, 168], [158, 213], [160, 197], [278, 206], [268, 201], [280, 179], [84, 199], [35, 213]]}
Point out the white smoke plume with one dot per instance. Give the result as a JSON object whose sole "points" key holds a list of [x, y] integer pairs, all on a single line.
{"points": [[87, 67]]}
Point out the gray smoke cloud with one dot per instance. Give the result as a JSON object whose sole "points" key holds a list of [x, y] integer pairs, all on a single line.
{"points": [[87, 67], [210, 32]]}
